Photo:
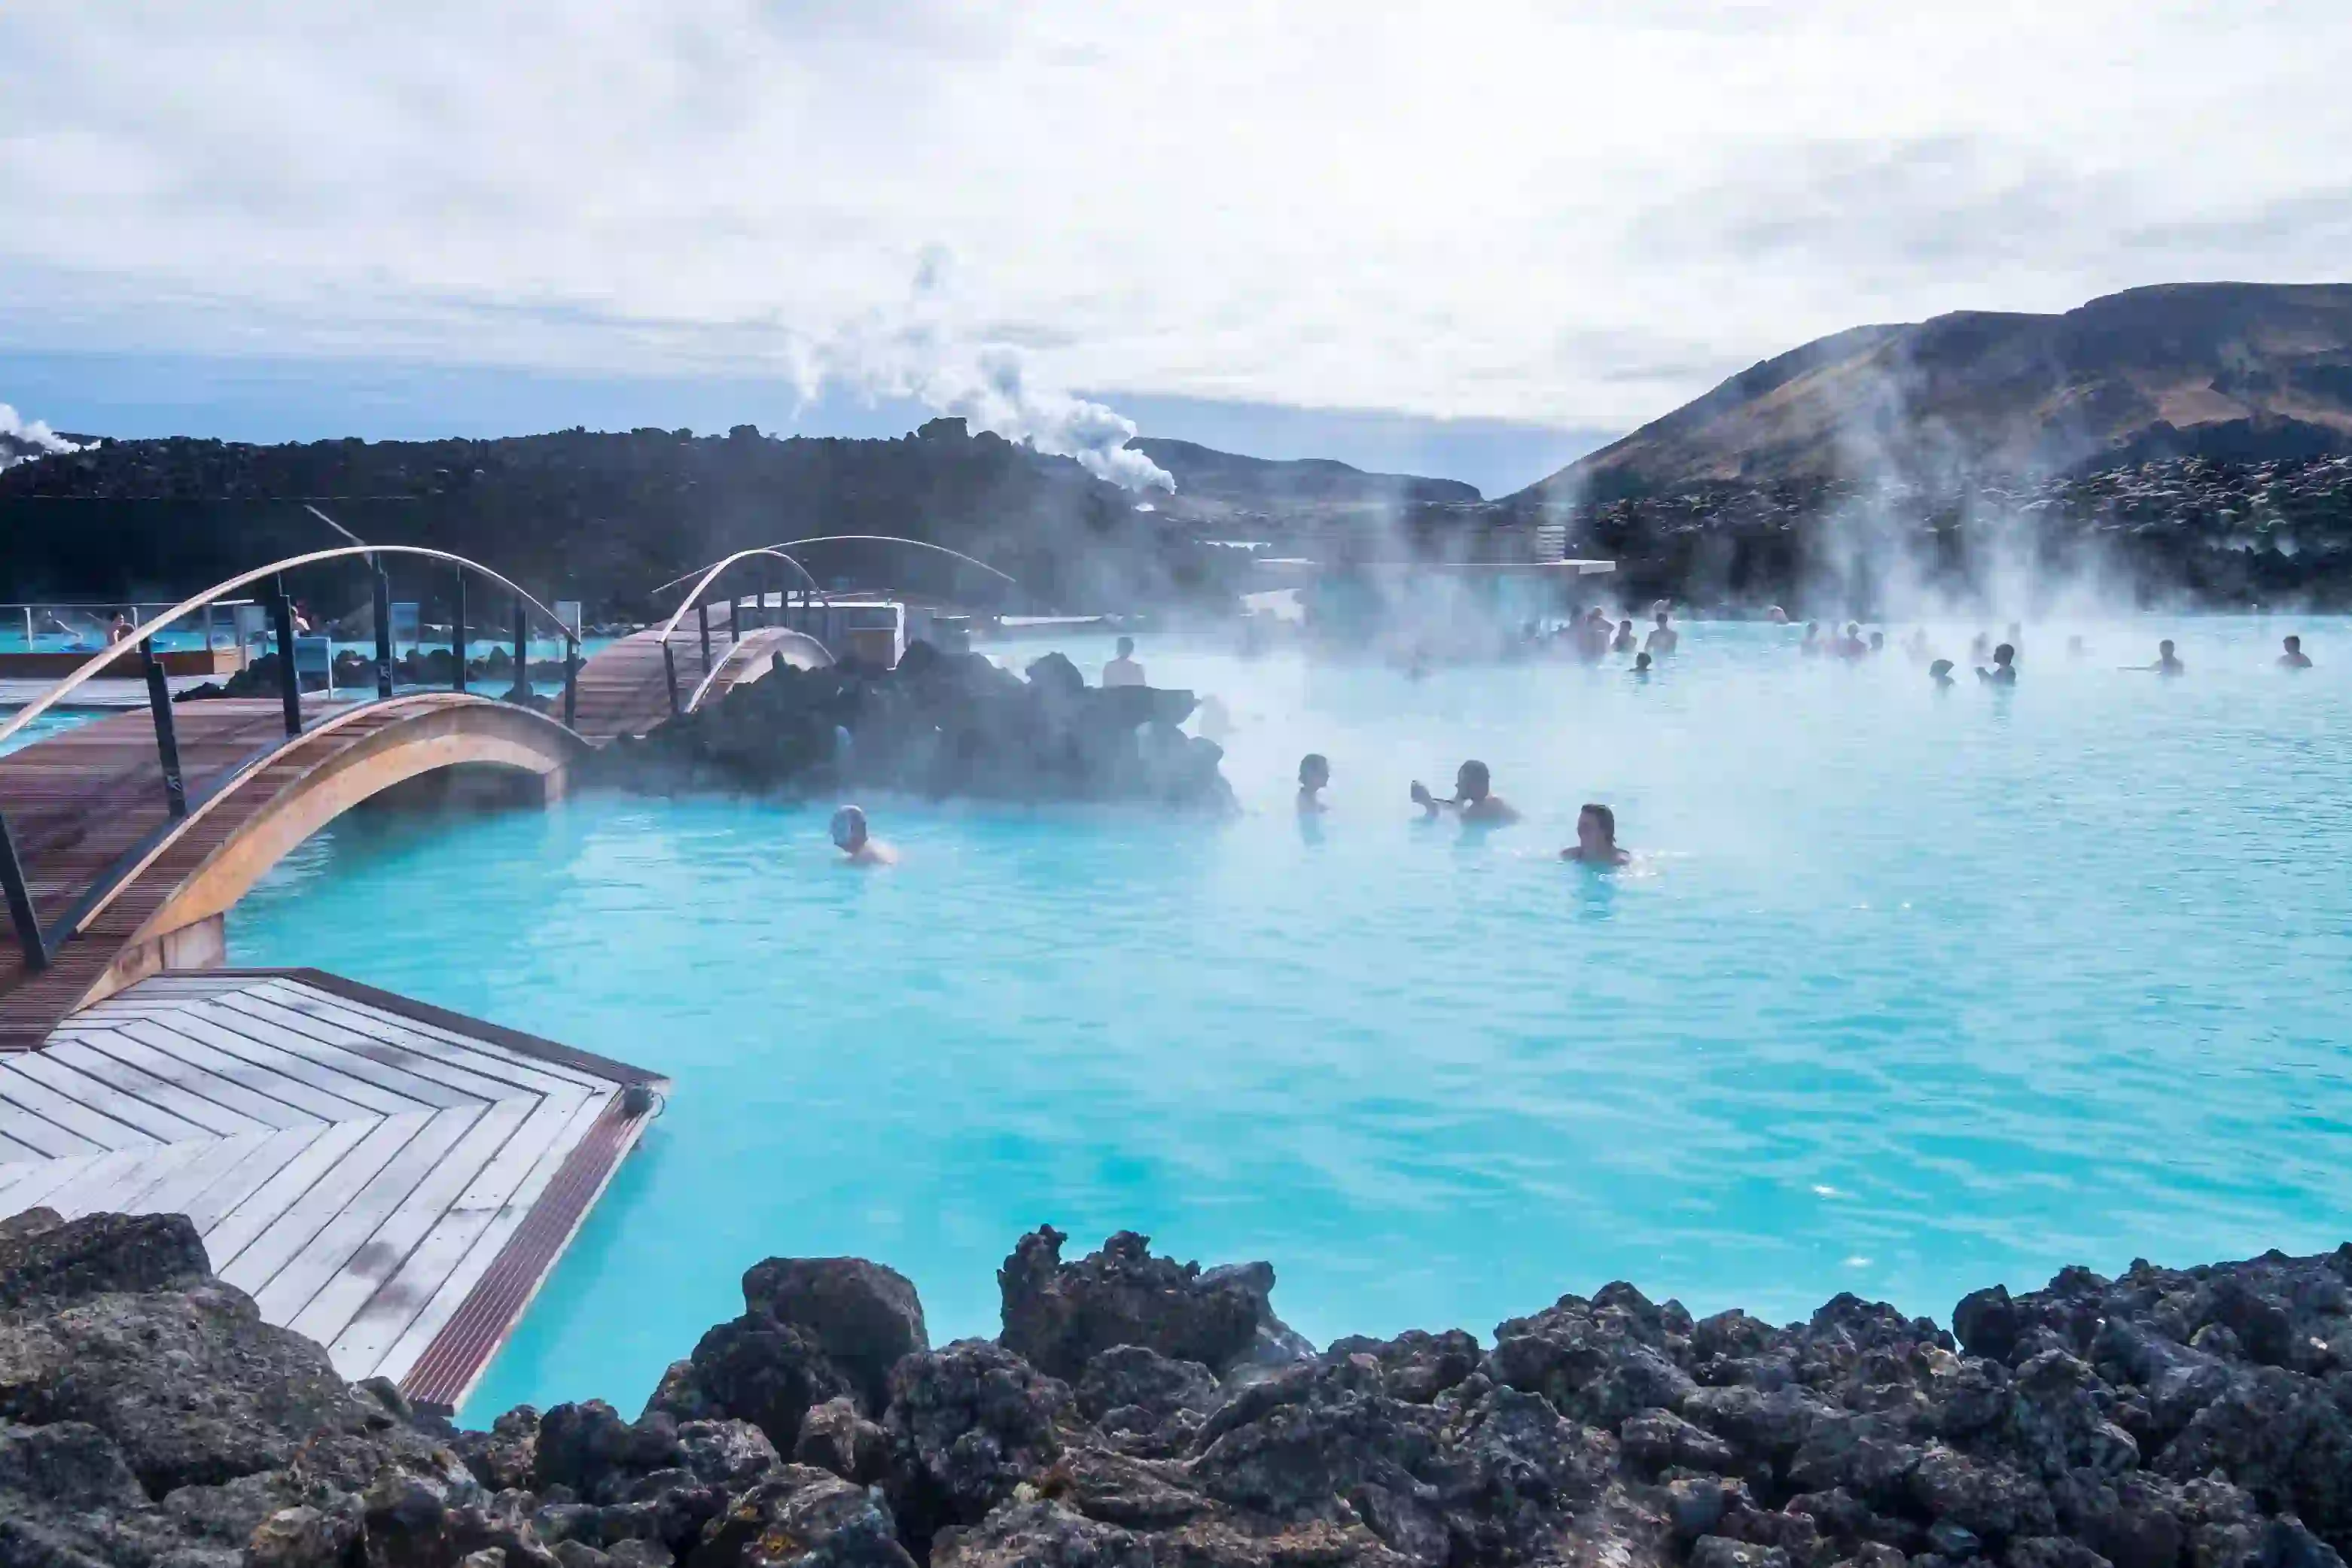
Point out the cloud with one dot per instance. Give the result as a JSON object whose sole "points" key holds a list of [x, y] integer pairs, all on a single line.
{"points": [[1564, 214]]}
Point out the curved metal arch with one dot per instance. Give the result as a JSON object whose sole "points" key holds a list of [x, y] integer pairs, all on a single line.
{"points": [[871, 538], [694, 593], [712, 674], [98, 662]]}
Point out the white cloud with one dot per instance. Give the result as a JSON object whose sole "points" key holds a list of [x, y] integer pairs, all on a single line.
{"points": [[1572, 213]]}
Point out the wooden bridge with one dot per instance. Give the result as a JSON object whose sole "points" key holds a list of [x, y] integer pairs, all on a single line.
{"points": [[390, 1179]]}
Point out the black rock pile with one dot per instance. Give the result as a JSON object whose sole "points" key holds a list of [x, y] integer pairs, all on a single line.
{"points": [[937, 724], [1140, 1412]]}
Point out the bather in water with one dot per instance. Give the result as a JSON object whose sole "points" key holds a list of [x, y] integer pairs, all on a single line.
{"points": [[1941, 672], [2168, 662], [1314, 776], [2295, 658], [857, 846], [1596, 839], [2004, 667], [1474, 798]]}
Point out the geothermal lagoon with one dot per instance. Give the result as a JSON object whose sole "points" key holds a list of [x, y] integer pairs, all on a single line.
{"points": [[1906, 993]]}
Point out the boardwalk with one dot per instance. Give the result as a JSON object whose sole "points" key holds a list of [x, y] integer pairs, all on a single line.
{"points": [[104, 858], [392, 1181], [625, 690]]}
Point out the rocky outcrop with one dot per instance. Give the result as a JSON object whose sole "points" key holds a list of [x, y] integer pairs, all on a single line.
{"points": [[937, 724], [1132, 1416]]}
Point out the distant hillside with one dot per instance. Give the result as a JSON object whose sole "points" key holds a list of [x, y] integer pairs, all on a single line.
{"points": [[1259, 484], [2245, 373], [598, 518]]}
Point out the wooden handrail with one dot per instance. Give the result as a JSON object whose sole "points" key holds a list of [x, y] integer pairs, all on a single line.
{"points": [[869, 538]]}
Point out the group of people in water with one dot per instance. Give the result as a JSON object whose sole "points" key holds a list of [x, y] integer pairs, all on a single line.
{"points": [[1475, 804]]}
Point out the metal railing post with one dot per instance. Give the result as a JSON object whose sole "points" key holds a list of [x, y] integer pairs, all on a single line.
{"points": [[521, 691], [457, 637], [290, 684], [384, 651], [702, 612], [572, 681], [670, 674], [735, 616], [20, 903], [167, 737]]}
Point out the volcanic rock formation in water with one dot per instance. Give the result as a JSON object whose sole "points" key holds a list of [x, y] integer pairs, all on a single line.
{"points": [[936, 725], [1141, 1412]]}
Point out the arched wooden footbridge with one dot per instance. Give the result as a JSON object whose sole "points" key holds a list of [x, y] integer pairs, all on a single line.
{"points": [[124, 840]]}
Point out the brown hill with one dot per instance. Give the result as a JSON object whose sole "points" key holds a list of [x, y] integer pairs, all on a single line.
{"points": [[2242, 370]]}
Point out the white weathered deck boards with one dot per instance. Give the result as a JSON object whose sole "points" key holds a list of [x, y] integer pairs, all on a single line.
{"points": [[360, 1165]]}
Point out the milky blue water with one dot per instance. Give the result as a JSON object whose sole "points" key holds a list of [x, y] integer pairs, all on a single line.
{"points": [[1909, 993]]}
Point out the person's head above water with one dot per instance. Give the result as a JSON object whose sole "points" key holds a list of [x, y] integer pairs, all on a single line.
{"points": [[2165, 648], [1596, 825], [2293, 644], [2004, 654], [849, 830], [1125, 647], [1624, 625], [1314, 771], [1471, 781], [1641, 663], [1941, 672], [1661, 615]]}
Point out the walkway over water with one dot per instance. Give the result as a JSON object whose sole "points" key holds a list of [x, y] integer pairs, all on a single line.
{"points": [[392, 1181], [626, 688]]}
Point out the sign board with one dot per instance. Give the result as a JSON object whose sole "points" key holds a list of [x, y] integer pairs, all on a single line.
{"points": [[315, 656]]}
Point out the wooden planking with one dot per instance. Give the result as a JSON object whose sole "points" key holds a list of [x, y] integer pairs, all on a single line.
{"points": [[198, 1082], [372, 1175], [438, 1270], [361, 1271], [502, 1223], [36, 1132]]}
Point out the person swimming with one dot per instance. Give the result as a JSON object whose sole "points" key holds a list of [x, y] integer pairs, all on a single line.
{"points": [[1878, 642], [1473, 798], [1941, 672], [1777, 616], [1596, 838], [1623, 641], [2168, 662], [1314, 776], [1641, 666], [2004, 667], [1124, 671], [1811, 646], [850, 836], [1664, 639], [2295, 658], [1851, 645]]}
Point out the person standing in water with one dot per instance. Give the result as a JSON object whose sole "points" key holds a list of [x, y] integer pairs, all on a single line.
{"points": [[2295, 658], [1941, 672], [2168, 662], [1623, 642], [859, 847], [2004, 667], [1314, 776], [1664, 640], [1641, 666], [1124, 671], [1473, 798], [1811, 646], [1596, 838]]}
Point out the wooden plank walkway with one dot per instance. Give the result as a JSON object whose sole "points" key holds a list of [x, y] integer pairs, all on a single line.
{"points": [[87, 805], [624, 690], [389, 1179]]}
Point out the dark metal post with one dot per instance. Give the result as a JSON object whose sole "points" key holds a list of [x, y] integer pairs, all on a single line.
{"points": [[571, 682], [457, 637], [20, 903], [290, 684], [702, 612], [167, 738], [521, 692], [382, 630], [735, 616], [669, 673]]}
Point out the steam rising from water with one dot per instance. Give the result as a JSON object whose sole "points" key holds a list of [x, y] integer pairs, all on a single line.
{"points": [[17, 432]]}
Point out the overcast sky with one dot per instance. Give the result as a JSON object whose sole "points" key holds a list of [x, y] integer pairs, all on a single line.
{"points": [[1541, 217]]}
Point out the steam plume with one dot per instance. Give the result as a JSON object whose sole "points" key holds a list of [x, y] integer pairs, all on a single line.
{"points": [[22, 439], [923, 352]]}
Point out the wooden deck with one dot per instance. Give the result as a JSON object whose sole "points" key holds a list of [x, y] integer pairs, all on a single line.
{"points": [[624, 690], [391, 1180]]}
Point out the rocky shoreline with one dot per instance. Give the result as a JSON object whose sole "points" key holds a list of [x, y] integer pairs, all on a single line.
{"points": [[1141, 1412]]}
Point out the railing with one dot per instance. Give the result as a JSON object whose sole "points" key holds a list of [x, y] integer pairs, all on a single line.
{"points": [[735, 609], [694, 601], [35, 941]]}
